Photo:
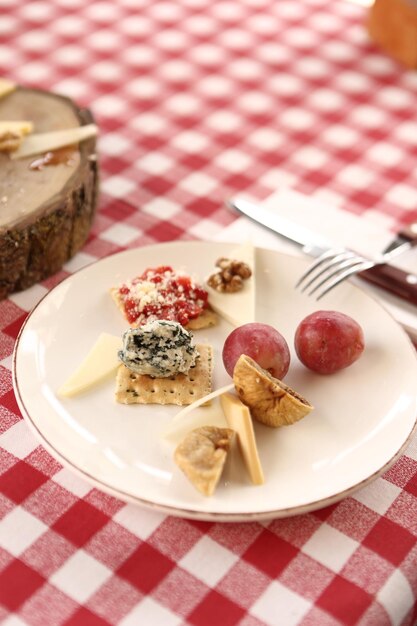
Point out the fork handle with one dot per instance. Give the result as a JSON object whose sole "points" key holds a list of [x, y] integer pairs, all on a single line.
{"points": [[393, 279]]}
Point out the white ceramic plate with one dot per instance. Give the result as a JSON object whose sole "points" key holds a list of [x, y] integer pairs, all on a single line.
{"points": [[363, 415]]}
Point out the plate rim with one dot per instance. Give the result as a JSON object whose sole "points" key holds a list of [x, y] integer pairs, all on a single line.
{"points": [[177, 511]]}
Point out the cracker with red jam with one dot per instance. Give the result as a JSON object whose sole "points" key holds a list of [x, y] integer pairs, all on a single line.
{"points": [[162, 293]]}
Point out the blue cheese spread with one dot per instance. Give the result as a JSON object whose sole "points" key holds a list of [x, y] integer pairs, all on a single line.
{"points": [[160, 349]]}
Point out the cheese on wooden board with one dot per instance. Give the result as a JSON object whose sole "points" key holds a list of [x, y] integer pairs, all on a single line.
{"points": [[40, 143], [22, 127], [239, 307], [100, 362], [12, 133], [239, 419], [6, 87]]}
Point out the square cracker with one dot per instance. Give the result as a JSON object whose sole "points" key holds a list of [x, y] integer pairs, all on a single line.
{"points": [[181, 389]]}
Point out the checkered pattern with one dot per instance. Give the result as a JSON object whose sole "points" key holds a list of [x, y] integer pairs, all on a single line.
{"points": [[197, 100]]}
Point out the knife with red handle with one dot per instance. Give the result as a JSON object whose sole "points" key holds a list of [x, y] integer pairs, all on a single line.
{"points": [[393, 279]]}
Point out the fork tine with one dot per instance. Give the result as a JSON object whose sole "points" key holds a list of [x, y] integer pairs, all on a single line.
{"points": [[365, 265], [340, 260], [330, 269], [340, 268], [329, 254]]}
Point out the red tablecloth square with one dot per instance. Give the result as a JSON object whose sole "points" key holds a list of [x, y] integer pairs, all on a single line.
{"points": [[216, 609], [87, 618], [80, 523], [13, 329], [390, 540], [165, 231], [117, 210], [18, 582], [411, 486], [145, 568], [324, 513], [8, 400], [18, 482], [270, 553], [344, 600]]}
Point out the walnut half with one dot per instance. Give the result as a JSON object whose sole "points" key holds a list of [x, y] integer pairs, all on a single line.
{"points": [[230, 276]]}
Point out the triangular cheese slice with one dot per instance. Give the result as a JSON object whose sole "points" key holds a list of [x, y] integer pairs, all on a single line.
{"points": [[239, 419], [6, 87], [206, 416], [205, 400], [100, 362], [237, 308], [46, 142]]}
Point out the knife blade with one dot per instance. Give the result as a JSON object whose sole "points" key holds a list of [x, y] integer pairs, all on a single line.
{"points": [[393, 279]]}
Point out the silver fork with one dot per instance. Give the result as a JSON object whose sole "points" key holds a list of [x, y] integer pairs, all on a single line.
{"points": [[336, 265]]}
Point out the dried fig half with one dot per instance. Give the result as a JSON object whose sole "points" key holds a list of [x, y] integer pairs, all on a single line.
{"points": [[202, 455], [270, 401]]}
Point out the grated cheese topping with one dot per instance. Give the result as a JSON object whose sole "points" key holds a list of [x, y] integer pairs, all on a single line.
{"points": [[162, 293]]}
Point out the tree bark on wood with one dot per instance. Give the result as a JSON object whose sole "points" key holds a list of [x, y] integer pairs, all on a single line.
{"points": [[35, 242]]}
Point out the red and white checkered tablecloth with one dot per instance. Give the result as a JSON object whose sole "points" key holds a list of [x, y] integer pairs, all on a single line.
{"points": [[197, 100]]}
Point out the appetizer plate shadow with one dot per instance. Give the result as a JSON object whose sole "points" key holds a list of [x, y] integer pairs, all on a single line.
{"points": [[363, 417]]}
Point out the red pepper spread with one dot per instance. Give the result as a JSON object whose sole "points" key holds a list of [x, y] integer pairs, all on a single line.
{"points": [[162, 294]]}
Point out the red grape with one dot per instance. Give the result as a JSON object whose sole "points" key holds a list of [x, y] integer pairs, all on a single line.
{"points": [[328, 341], [262, 343]]}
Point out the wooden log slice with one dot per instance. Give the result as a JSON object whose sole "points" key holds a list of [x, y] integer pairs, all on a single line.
{"points": [[46, 209]]}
